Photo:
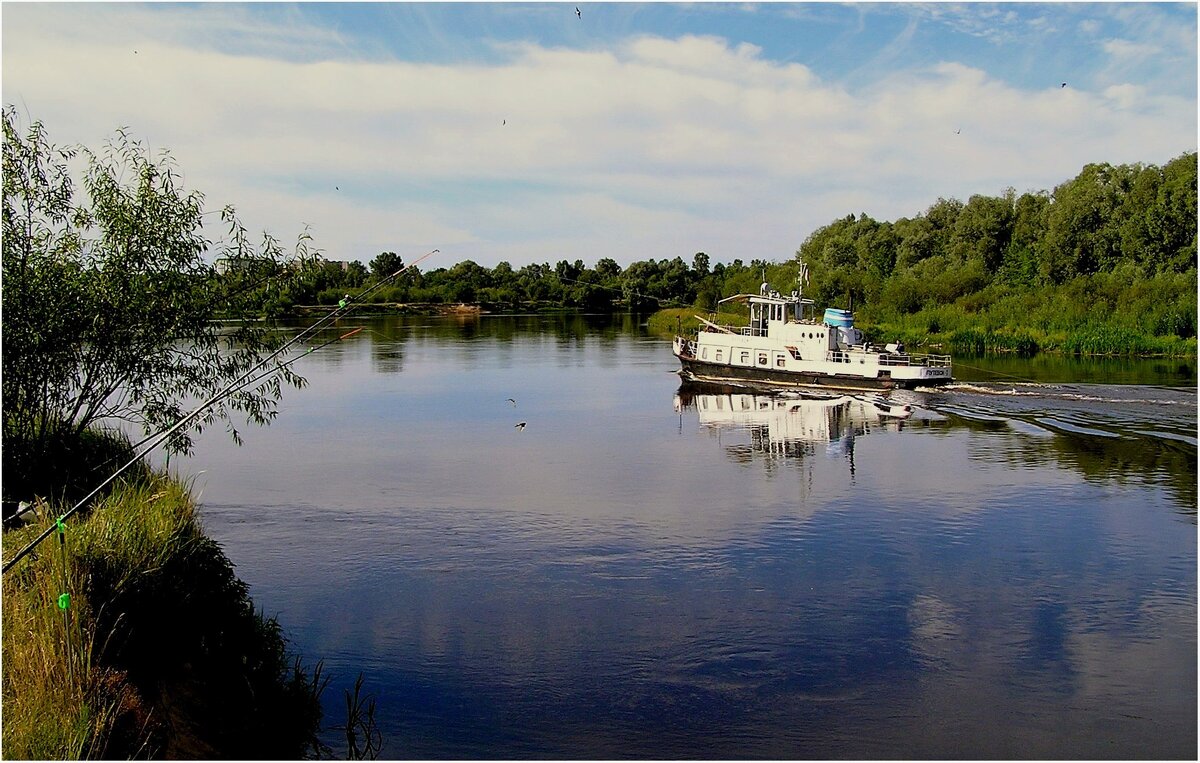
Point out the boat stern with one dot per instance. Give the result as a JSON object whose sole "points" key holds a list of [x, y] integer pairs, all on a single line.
{"points": [[929, 371]]}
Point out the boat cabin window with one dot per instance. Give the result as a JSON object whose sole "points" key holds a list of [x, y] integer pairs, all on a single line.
{"points": [[745, 357], [762, 358], [780, 360], [718, 357], [704, 353]]}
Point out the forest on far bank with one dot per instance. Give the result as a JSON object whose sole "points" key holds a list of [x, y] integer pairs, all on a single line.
{"points": [[1106, 262]]}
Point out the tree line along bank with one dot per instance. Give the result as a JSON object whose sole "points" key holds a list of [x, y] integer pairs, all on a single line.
{"points": [[1106, 262]]}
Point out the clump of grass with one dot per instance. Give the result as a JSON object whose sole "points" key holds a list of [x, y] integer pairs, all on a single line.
{"points": [[673, 320], [1106, 340], [985, 341]]}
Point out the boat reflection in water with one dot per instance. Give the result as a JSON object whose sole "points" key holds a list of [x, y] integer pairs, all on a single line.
{"points": [[792, 423]]}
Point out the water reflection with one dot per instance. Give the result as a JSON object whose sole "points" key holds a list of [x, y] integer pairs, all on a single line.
{"points": [[791, 424], [1107, 434]]}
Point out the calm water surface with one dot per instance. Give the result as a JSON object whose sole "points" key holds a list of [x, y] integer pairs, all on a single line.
{"points": [[655, 572]]}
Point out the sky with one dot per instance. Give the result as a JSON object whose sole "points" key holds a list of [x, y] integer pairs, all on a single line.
{"points": [[528, 132]]}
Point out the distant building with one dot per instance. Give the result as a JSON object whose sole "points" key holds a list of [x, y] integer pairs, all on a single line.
{"points": [[224, 265]]}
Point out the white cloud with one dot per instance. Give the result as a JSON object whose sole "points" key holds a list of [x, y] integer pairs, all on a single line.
{"points": [[1125, 96], [654, 147], [1126, 49]]}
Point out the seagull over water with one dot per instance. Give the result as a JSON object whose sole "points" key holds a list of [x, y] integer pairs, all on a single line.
{"points": [[514, 402], [577, 13], [520, 426]]}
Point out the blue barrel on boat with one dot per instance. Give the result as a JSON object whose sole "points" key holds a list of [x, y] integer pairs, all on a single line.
{"points": [[843, 318]]}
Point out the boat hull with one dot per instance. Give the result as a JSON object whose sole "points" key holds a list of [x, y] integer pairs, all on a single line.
{"points": [[721, 373]]}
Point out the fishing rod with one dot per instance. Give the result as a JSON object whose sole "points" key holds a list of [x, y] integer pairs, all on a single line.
{"points": [[233, 387]]}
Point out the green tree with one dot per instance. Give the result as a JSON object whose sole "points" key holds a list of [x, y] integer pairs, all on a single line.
{"points": [[356, 274], [916, 240], [1020, 263], [608, 269], [1081, 238], [1157, 217], [109, 306], [982, 231], [385, 265]]}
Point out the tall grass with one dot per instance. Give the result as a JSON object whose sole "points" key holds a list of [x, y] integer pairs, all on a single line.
{"points": [[162, 654], [58, 703]]}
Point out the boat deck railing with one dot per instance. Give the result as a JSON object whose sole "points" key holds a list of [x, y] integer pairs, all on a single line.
{"points": [[905, 359], [932, 361]]}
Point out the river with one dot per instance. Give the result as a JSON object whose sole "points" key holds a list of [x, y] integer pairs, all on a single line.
{"points": [[650, 571]]}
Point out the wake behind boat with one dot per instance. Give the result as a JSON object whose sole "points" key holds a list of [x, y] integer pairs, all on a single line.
{"points": [[784, 347]]}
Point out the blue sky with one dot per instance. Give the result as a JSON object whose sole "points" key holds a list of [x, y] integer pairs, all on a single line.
{"points": [[523, 132]]}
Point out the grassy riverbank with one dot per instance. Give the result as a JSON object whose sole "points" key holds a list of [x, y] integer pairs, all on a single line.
{"points": [[160, 652], [683, 320]]}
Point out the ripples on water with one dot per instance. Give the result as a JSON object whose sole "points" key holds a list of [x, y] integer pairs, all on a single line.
{"points": [[650, 571]]}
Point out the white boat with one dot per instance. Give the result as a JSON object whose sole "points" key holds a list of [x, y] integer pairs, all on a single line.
{"points": [[784, 347]]}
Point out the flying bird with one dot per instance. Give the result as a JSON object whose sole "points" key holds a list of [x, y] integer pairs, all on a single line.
{"points": [[577, 13], [514, 402], [520, 426], [958, 131], [1063, 85]]}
